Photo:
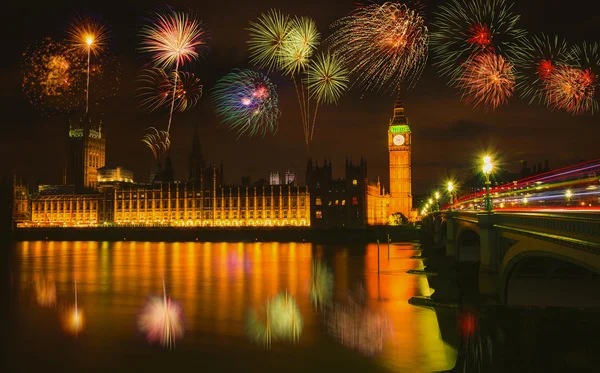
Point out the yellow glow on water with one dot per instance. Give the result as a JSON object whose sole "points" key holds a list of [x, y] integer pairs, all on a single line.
{"points": [[216, 284]]}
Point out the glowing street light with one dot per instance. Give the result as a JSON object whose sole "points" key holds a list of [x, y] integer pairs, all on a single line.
{"points": [[487, 170], [450, 190]]}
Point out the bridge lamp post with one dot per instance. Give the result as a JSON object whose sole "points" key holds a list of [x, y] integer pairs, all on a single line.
{"points": [[450, 189], [437, 201], [487, 170], [569, 194]]}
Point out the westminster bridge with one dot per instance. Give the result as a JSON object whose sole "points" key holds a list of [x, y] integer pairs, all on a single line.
{"points": [[525, 257]]}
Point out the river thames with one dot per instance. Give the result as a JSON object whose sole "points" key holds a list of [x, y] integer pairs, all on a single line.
{"points": [[217, 285]]}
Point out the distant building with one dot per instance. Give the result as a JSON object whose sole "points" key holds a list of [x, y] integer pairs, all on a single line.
{"points": [[274, 178], [337, 203], [87, 152], [290, 177], [116, 174]]}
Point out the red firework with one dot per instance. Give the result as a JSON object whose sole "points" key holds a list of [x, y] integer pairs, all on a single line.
{"points": [[545, 68], [571, 89], [480, 35], [487, 79]]}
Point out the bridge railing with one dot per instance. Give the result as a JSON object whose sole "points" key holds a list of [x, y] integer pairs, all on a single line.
{"points": [[569, 224]]}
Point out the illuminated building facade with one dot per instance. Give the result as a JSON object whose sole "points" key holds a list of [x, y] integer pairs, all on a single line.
{"points": [[202, 201], [87, 148]]}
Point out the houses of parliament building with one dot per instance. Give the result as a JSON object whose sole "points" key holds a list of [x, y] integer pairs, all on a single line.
{"points": [[93, 195]]}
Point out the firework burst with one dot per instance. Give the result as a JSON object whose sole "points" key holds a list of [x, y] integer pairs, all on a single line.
{"points": [[52, 74], [386, 44], [299, 46], [267, 38], [327, 78], [157, 141], [571, 89], [247, 101], [156, 88], [488, 80], [162, 320], [173, 39], [536, 58], [465, 28]]}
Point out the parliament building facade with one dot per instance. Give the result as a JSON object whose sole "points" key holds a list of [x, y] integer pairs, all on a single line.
{"points": [[94, 195]]}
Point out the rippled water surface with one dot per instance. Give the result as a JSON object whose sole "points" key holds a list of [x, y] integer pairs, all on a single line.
{"points": [[216, 285]]}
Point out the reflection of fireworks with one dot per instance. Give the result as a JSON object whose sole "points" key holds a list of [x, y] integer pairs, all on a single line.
{"points": [[51, 74], [157, 141], [278, 319], [468, 27], [357, 327], [248, 102], [172, 39], [45, 292], [488, 80], [386, 44], [73, 320], [162, 321], [321, 285], [157, 87], [536, 58]]}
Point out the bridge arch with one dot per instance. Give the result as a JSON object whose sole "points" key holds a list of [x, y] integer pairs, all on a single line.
{"points": [[549, 274]]}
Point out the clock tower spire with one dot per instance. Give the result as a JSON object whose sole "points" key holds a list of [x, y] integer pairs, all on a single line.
{"points": [[399, 147]]}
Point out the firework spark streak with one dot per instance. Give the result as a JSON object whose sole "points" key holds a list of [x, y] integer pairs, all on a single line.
{"points": [[157, 141], [173, 39], [386, 44], [247, 101], [488, 80], [88, 34], [162, 320], [574, 88], [156, 87], [536, 58], [465, 28]]}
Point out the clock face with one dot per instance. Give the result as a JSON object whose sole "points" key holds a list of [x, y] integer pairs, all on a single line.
{"points": [[398, 140]]}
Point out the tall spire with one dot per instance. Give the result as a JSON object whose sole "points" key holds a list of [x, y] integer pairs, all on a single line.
{"points": [[399, 117]]}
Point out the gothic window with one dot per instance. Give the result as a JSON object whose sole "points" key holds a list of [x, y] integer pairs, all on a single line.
{"points": [[337, 202], [319, 214], [318, 201], [355, 182], [343, 202], [355, 200]]}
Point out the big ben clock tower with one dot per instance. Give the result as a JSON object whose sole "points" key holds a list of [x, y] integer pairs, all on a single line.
{"points": [[399, 146]]}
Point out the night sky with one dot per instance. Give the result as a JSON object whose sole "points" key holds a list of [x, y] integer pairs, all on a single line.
{"points": [[447, 134]]}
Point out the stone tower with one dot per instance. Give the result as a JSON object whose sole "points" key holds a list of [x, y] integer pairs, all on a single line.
{"points": [[400, 146], [87, 152]]}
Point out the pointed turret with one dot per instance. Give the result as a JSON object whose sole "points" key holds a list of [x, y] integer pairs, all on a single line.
{"points": [[399, 117], [195, 160]]}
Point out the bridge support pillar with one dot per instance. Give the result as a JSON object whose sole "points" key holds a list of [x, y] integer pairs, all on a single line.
{"points": [[437, 230], [451, 231], [488, 271]]}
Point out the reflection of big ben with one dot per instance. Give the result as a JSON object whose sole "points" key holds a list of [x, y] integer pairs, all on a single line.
{"points": [[399, 146]]}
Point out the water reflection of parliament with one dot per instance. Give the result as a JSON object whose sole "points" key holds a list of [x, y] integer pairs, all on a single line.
{"points": [[95, 195]]}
